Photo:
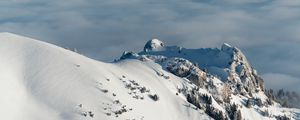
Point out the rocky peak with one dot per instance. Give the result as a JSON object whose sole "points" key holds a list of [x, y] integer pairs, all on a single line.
{"points": [[228, 63], [128, 54], [153, 45]]}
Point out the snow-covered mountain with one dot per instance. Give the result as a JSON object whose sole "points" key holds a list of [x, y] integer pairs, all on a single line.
{"points": [[42, 81]]}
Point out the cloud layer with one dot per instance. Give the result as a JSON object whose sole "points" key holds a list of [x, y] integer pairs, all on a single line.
{"points": [[275, 81], [266, 30]]}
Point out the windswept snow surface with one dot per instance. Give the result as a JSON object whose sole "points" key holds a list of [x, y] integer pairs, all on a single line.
{"points": [[40, 81]]}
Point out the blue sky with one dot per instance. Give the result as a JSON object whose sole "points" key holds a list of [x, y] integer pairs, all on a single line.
{"points": [[268, 31]]}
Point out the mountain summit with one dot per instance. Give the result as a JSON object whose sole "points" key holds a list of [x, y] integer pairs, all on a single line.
{"points": [[39, 80], [153, 45]]}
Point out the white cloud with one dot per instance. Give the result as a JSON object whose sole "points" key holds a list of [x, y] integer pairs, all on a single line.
{"points": [[104, 28]]}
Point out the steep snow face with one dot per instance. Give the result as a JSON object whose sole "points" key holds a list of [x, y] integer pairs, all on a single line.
{"points": [[153, 45], [42, 81]]}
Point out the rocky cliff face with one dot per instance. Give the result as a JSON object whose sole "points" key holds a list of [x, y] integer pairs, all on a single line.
{"points": [[241, 72]]}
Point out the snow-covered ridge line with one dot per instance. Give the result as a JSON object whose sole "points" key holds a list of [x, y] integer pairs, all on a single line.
{"points": [[42, 81]]}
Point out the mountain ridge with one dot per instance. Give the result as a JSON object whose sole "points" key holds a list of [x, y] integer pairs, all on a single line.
{"points": [[39, 80]]}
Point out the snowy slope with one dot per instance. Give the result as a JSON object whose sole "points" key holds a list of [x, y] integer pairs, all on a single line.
{"points": [[42, 81]]}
